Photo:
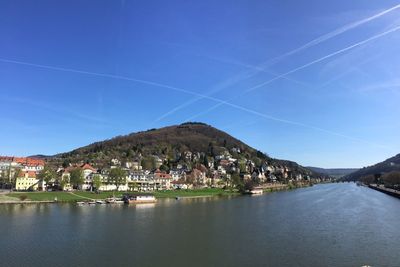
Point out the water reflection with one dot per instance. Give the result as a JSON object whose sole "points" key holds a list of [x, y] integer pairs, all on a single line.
{"points": [[143, 206]]}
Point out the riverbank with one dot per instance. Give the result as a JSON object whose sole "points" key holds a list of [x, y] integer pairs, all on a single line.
{"points": [[75, 196], [392, 192], [59, 196], [283, 187]]}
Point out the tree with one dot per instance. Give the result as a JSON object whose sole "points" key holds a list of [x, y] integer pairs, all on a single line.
{"points": [[47, 174], [205, 161], [242, 166], [249, 185], [237, 181], [66, 163], [164, 168], [148, 163], [132, 186], [3, 178], [369, 179], [117, 176], [64, 181], [391, 178], [14, 176], [76, 177], [97, 181], [257, 162]]}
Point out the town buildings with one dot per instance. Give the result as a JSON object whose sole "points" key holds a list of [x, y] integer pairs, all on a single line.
{"points": [[21, 172], [189, 170]]}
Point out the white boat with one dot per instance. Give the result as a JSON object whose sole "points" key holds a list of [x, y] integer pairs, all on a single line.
{"points": [[256, 191], [113, 200], [138, 199], [101, 202]]}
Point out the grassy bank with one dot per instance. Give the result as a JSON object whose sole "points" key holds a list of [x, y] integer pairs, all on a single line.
{"points": [[194, 193], [84, 195]]}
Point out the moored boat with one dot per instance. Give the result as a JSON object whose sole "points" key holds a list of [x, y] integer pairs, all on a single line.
{"points": [[138, 199], [113, 200], [256, 191]]}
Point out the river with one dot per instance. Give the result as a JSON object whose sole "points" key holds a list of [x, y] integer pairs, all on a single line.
{"points": [[324, 225]]}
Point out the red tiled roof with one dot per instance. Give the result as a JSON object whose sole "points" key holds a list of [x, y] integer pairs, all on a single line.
{"points": [[87, 166], [24, 161], [224, 162], [161, 175], [29, 174]]}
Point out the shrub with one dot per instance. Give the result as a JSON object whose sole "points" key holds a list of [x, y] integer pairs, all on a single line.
{"points": [[23, 197]]}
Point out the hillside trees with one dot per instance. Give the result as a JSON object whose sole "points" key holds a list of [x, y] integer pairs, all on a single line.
{"points": [[148, 163], [391, 178], [369, 179]]}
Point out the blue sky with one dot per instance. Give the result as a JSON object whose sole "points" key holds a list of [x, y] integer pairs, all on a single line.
{"points": [[317, 82]]}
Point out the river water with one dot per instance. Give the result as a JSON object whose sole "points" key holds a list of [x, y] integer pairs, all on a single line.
{"points": [[324, 225]]}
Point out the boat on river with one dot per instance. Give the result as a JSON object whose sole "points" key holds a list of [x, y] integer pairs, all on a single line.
{"points": [[256, 191], [113, 200], [139, 199]]}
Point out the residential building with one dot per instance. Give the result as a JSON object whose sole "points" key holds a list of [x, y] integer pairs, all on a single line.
{"points": [[11, 164], [26, 180], [162, 180], [177, 175]]}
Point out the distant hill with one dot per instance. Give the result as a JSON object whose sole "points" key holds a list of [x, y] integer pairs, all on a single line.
{"points": [[170, 144], [334, 172], [39, 156], [391, 164]]}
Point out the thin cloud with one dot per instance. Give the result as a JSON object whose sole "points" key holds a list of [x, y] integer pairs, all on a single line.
{"points": [[391, 85], [334, 33], [57, 110], [300, 68], [220, 101], [218, 87], [314, 42]]}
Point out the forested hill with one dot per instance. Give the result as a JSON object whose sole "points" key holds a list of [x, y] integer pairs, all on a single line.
{"points": [[171, 144], [389, 165]]}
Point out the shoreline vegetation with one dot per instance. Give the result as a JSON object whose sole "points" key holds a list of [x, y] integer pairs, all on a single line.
{"points": [[75, 196]]}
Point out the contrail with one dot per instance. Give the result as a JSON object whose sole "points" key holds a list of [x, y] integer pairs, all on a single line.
{"points": [[225, 85], [325, 57], [222, 85], [105, 75], [303, 125], [187, 92], [302, 67], [334, 33], [220, 101], [312, 43], [56, 110]]}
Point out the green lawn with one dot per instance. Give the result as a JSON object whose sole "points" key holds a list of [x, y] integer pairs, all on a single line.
{"points": [[193, 193], [46, 196], [5, 198], [84, 195]]}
